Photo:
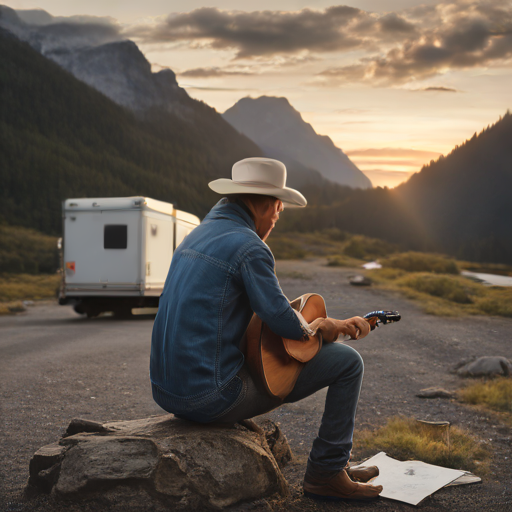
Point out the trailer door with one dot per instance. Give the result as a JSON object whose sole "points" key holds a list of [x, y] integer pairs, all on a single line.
{"points": [[102, 249]]}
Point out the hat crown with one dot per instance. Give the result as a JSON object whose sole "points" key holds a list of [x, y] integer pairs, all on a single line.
{"points": [[264, 171]]}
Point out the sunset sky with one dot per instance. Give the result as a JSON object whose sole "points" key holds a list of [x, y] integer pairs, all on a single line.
{"points": [[394, 83]]}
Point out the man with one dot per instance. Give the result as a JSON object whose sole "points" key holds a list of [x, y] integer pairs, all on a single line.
{"points": [[220, 274]]}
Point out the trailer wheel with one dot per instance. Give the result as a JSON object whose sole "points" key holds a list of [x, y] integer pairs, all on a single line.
{"points": [[78, 308], [124, 312], [92, 313]]}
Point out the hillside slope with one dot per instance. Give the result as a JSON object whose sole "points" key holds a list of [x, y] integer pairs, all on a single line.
{"points": [[61, 138], [280, 132], [464, 200], [460, 204]]}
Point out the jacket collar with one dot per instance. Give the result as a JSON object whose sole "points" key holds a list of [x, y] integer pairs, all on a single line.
{"points": [[225, 210]]}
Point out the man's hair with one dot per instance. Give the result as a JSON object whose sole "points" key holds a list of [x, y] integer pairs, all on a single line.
{"points": [[239, 199]]}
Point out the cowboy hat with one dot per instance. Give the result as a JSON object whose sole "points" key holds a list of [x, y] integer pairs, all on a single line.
{"points": [[262, 176]]}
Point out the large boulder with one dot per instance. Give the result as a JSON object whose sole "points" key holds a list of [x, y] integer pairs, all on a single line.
{"points": [[486, 367], [165, 461]]}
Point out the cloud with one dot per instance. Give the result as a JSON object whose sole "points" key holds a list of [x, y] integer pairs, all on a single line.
{"points": [[455, 35], [213, 72], [266, 33], [393, 153], [439, 89]]}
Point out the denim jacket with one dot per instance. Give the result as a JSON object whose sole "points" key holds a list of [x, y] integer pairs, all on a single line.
{"points": [[220, 274]]}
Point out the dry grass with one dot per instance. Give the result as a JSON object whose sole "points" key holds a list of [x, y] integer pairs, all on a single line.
{"points": [[16, 287], [8, 308], [295, 275], [446, 295], [407, 439], [422, 262], [27, 251], [495, 394], [343, 261], [331, 242]]}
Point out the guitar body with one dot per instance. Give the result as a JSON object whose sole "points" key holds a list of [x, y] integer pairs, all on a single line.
{"points": [[276, 361]]}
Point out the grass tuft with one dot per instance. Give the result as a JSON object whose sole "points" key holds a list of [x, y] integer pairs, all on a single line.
{"points": [[15, 287], [422, 262], [408, 439], [459, 290], [342, 261], [495, 394]]}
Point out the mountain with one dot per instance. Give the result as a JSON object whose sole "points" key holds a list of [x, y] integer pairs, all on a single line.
{"points": [[96, 56], [458, 205], [120, 71], [281, 133], [61, 138]]}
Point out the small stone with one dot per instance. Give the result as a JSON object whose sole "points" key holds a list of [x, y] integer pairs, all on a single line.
{"points": [[360, 280], [434, 393]]}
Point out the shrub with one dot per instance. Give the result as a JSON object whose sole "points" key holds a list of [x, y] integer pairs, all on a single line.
{"points": [[362, 247], [285, 248], [496, 301], [334, 234], [26, 251], [340, 261], [495, 394], [450, 288], [422, 262], [406, 439]]}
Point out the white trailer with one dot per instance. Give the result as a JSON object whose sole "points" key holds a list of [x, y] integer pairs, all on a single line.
{"points": [[117, 251]]}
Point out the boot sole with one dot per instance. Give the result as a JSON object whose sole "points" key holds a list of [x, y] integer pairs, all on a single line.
{"points": [[321, 497]]}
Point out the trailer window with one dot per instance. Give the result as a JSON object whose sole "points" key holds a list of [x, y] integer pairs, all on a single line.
{"points": [[115, 236]]}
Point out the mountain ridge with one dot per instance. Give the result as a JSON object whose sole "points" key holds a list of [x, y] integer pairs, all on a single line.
{"points": [[280, 131]]}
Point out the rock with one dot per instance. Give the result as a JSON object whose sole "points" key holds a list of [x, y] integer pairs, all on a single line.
{"points": [[172, 463], [277, 443], [462, 362], [44, 466], [486, 367], [17, 308], [434, 393], [79, 425], [360, 280]]}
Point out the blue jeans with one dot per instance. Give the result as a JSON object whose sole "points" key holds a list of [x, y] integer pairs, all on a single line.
{"points": [[338, 367]]}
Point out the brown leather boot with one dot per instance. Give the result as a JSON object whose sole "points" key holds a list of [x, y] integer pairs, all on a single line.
{"points": [[339, 487], [362, 474]]}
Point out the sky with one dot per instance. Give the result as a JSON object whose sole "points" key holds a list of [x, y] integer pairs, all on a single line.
{"points": [[394, 83]]}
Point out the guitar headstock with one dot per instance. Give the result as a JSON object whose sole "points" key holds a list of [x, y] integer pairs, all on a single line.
{"points": [[382, 317]]}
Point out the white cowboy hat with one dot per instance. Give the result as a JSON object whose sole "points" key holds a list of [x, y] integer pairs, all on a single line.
{"points": [[262, 176]]}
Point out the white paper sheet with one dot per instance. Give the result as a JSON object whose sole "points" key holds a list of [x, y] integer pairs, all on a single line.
{"points": [[409, 481]]}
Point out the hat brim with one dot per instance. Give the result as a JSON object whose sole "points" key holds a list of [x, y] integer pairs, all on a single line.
{"points": [[290, 197]]}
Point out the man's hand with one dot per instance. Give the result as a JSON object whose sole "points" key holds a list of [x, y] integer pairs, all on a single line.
{"points": [[356, 327], [330, 328]]}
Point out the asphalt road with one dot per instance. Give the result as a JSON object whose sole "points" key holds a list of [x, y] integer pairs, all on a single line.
{"points": [[56, 365]]}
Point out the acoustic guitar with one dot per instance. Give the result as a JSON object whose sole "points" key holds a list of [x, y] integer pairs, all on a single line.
{"points": [[276, 362]]}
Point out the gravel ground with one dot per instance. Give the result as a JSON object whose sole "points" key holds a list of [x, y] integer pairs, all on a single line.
{"points": [[56, 366]]}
